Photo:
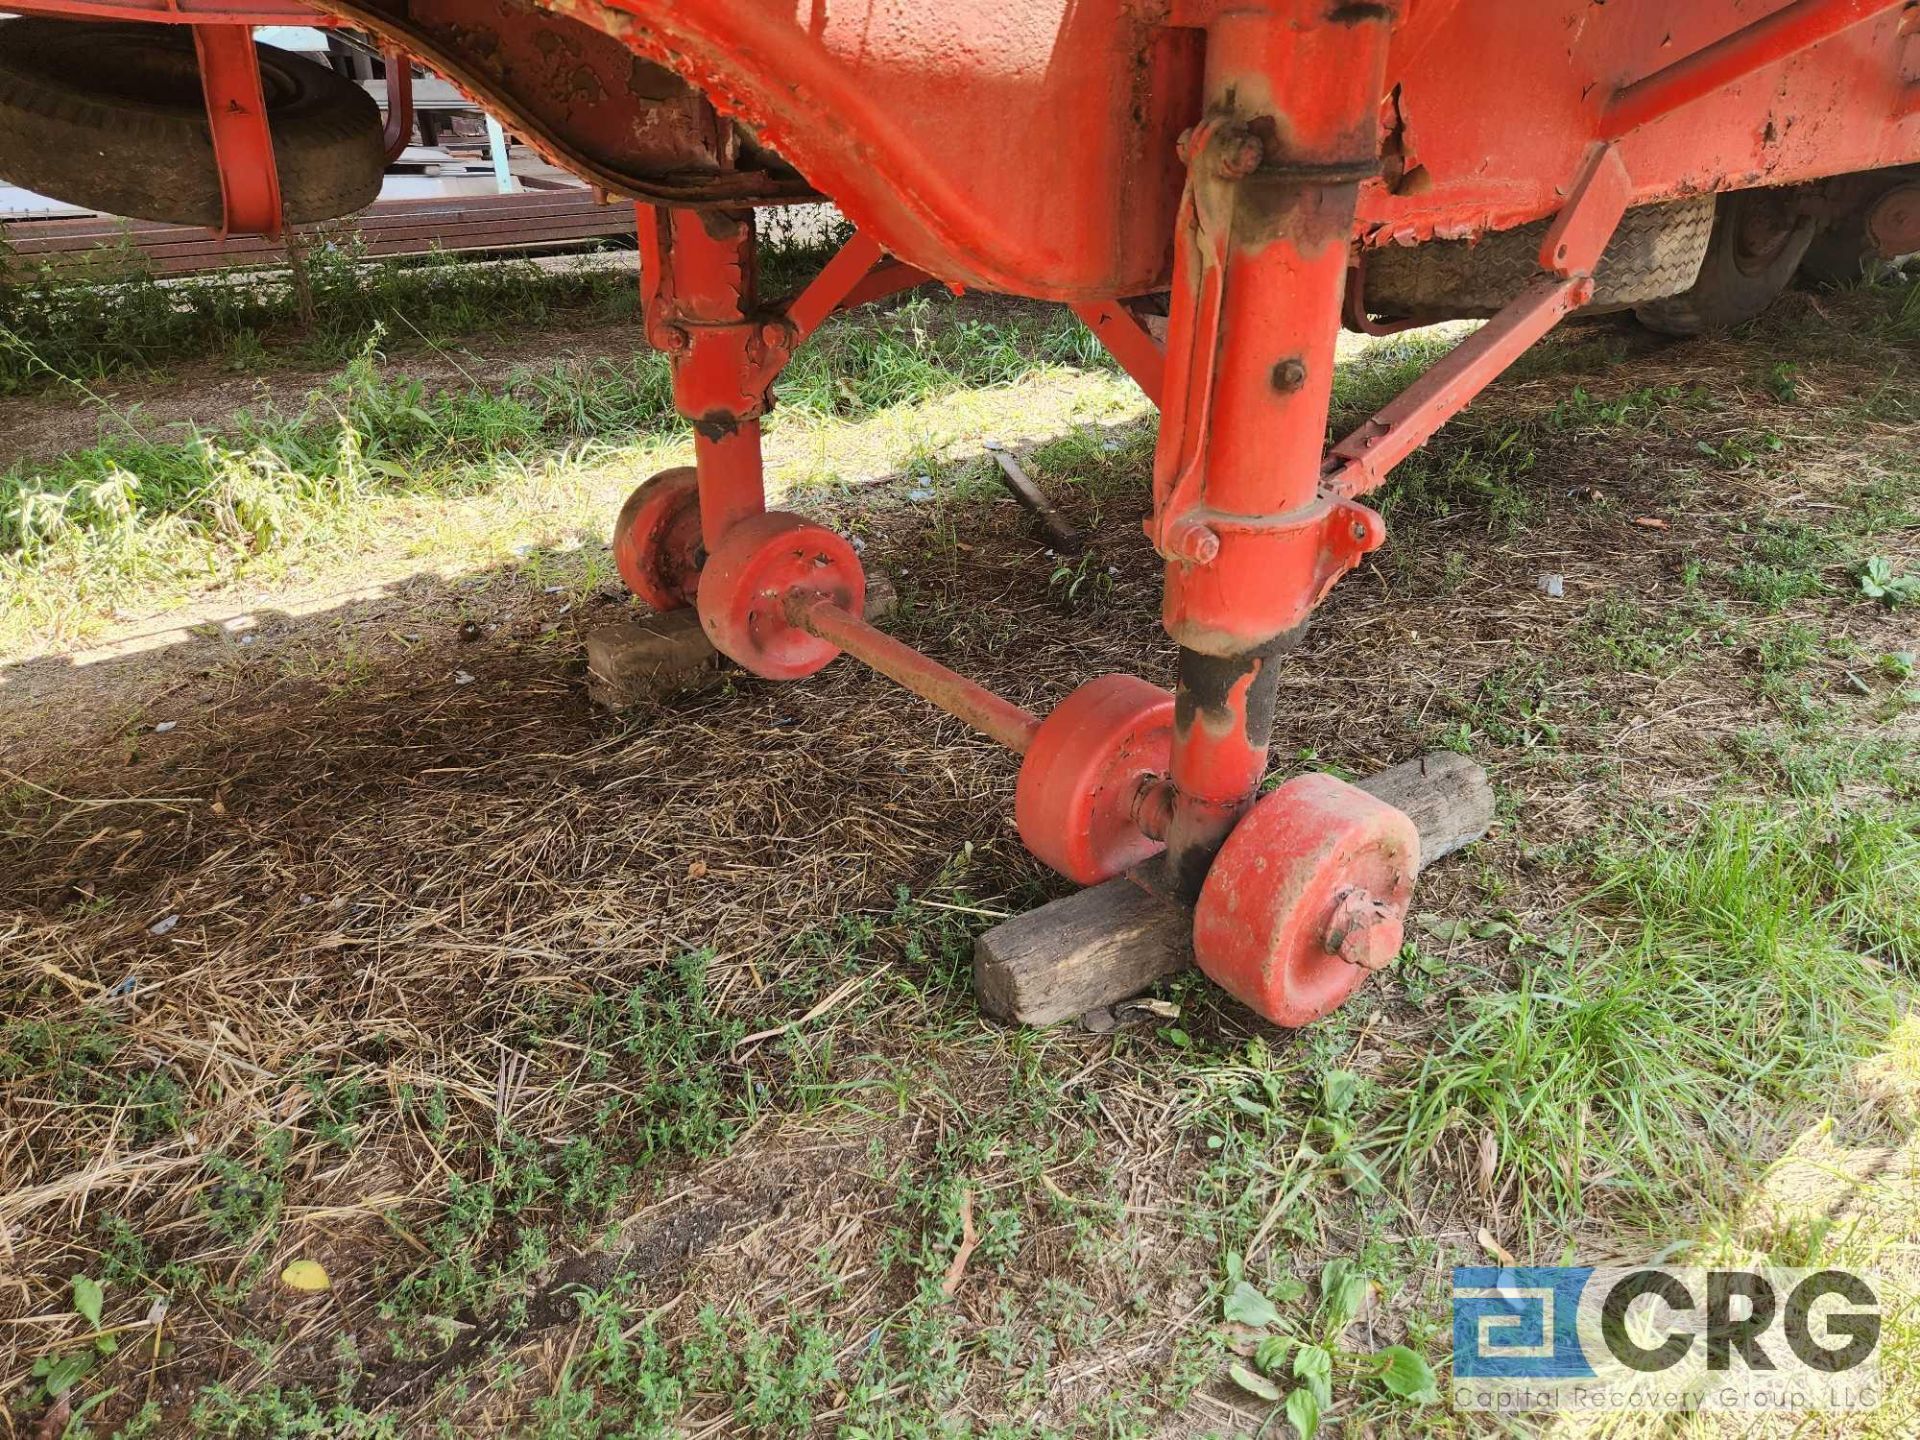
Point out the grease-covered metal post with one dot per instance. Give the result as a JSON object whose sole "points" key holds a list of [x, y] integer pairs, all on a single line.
{"points": [[1289, 130], [697, 289]]}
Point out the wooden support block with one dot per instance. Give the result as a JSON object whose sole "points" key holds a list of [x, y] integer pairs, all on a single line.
{"points": [[649, 657], [1111, 941]]}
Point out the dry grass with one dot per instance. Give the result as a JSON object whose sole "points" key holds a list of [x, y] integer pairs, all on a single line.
{"points": [[622, 1070]]}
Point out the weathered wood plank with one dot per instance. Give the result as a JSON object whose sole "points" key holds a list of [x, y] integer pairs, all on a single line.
{"points": [[645, 657], [1061, 533], [1111, 941]]}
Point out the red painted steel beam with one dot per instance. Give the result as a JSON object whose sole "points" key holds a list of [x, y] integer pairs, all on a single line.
{"points": [[996, 718], [828, 290], [242, 140], [399, 128], [1129, 342], [1786, 32], [1360, 462]]}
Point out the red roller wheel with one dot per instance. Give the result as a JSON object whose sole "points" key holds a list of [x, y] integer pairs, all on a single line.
{"points": [[1308, 895], [656, 540], [1074, 804], [748, 577]]}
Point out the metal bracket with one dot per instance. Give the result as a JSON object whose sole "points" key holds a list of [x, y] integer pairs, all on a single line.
{"points": [[242, 141], [399, 126]]}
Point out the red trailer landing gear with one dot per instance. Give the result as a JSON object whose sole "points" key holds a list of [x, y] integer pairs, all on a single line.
{"points": [[1298, 895], [1292, 917]]}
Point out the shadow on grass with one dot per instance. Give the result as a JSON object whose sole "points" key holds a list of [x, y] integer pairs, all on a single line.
{"points": [[450, 982]]}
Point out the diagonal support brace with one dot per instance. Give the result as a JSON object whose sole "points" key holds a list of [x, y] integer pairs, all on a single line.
{"points": [[1128, 341], [1569, 254]]}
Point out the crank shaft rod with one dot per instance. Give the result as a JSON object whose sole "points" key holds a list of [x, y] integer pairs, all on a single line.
{"points": [[998, 719]]}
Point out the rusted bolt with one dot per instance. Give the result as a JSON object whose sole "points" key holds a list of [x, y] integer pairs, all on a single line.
{"points": [[1362, 931], [1192, 541], [674, 340], [1290, 374], [773, 334], [1238, 155], [1359, 530]]}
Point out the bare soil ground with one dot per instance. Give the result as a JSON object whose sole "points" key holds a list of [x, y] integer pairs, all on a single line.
{"points": [[621, 1072]]}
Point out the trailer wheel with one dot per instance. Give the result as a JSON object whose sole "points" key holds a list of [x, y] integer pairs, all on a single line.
{"points": [[1879, 216], [1081, 780], [1307, 898], [656, 540], [112, 117], [1759, 239], [748, 579]]}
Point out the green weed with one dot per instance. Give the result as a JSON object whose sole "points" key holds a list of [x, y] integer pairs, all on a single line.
{"points": [[1730, 972], [59, 328]]}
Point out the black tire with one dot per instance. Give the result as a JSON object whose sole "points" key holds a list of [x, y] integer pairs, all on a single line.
{"points": [[1656, 251], [1759, 239], [112, 117]]}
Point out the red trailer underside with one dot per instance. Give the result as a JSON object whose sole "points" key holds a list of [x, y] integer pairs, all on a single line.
{"points": [[1027, 146]]}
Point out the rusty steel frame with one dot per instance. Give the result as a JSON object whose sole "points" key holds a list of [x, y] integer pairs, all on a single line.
{"points": [[1254, 522], [1026, 146]]}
